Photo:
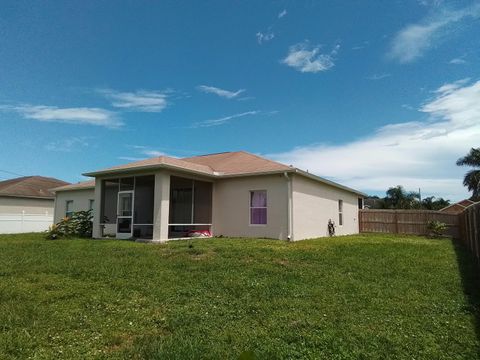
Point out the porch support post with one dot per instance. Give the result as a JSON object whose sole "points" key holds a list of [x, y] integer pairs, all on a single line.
{"points": [[97, 211], [161, 206]]}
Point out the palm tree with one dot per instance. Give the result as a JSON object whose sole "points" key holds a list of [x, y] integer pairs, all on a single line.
{"points": [[398, 198], [472, 177], [433, 203]]}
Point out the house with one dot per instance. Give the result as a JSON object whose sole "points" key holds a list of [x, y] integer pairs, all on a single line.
{"points": [[29, 194], [26, 203], [72, 198], [458, 207], [229, 194]]}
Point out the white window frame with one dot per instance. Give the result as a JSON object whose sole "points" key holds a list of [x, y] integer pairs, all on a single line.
{"points": [[340, 212], [66, 208], [250, 207], [122, 235]]}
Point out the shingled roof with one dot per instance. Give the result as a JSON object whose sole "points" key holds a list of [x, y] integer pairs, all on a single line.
{"points": [[30, 187], [458, 207], [220, 165], [83, 185], [156, 162], [237, 163]]}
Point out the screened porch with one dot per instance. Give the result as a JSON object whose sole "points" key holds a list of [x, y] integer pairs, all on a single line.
{"points": [[127, 207], [190, 209]]}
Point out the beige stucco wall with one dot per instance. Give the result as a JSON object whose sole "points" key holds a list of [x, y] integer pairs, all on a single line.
{"points": [[81, 201], [231, 206], [315, 203], [13, 205]]}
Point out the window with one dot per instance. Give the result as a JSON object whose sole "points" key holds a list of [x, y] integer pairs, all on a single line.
{"points": [[258, 207], [69, 208], [91, 204], [360, 203], [340, 212]]}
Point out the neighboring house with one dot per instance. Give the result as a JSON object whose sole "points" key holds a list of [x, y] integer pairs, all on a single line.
{"points": [[229, 194], [458, 207], [26, 203], [72, 198]]}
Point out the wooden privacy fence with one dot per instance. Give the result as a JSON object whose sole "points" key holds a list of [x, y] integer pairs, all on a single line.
{"points": [[470, 228], [413, 222]]}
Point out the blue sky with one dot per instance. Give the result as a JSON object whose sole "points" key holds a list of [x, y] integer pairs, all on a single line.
{"points": [[371, 94]]}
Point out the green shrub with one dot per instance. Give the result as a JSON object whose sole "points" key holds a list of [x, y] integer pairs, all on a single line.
{"points": [[78, 225], [436, 228], [82, 223]]}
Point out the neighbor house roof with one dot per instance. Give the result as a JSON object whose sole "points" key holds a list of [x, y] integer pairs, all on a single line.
{"points": [[221, 165], [83, 185], [466, 203], [458, 207], [30, 187]]}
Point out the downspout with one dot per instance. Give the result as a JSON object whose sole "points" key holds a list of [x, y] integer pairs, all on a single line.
{"points": [[289, 207]]}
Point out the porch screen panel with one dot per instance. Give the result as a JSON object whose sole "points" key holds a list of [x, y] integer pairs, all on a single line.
{"points": [[202, 209], [127, 183], [109, 201], [180, 200], [143, 202]]}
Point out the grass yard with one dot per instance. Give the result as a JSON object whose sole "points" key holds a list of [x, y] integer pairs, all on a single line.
{"points": [[355, 297]]}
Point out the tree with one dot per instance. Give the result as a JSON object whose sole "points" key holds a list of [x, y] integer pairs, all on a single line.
{"points": [[432, 203], [472, 177], [398, 198]]}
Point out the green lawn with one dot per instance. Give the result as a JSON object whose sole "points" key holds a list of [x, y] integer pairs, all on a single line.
{"points": [[356, 297]]}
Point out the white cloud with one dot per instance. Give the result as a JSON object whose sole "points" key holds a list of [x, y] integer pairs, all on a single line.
{"points": [[282, 13], [224, 120], [306, 58], [81, 115], [448, 88], [414, 40], [419, 154], [140, 100], [378, 76], [220, 92], [457, 61], [68, 145], [430, 3], [130, 158], [143, 152], [264, 37], [153, 153]]}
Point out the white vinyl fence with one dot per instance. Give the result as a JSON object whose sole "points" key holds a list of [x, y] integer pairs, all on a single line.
{"points": [[24, 223]]}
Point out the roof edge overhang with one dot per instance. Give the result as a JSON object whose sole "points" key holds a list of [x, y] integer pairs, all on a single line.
{"points": [[145, 168], [73, 189], [328, 182], [28, 197], [217, 175], [259, 173]]}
